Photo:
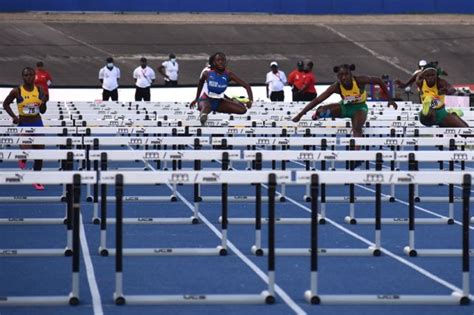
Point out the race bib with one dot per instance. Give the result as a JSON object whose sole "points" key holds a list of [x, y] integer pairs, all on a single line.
{"points": [[31, 109]]}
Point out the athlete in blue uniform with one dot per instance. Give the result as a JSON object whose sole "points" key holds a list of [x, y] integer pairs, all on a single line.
{"points": [[213, 98]]}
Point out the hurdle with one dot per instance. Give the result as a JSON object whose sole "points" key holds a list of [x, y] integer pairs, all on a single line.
{"points": [[146, 156], [67, 158], [149, 156], [190, 177], [73, 180], [379, 178], [302, 178], [201, 177]]}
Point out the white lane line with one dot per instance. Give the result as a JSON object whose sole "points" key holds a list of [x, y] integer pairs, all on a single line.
{"points": [[284, 296], [386, 59], [386, 251], [96, 299]]}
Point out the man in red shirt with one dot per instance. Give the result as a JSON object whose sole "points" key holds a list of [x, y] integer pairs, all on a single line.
{"points": [[308, 90], [296, 80], [42, 77]]}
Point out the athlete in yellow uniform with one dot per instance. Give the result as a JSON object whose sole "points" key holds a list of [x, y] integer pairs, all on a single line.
{"points": [[432, 94], [352, 91], [31, 102]]}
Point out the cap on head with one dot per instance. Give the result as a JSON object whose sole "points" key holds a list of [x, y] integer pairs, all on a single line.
{"points": [[274, 64], [422, 63]]}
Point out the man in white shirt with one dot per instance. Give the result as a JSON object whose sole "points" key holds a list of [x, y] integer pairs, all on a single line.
{"points": [[169, 70], [109, 77], [276, 80], [144, 77]]}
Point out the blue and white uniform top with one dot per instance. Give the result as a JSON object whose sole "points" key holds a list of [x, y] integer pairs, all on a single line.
{"points": [[217, 83]]}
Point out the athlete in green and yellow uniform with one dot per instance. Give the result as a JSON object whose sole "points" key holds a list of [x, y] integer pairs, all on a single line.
{"points": [[31, 103], [352, 91], [432, 94]]}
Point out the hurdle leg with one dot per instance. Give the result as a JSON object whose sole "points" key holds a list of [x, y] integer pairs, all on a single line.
{"points": [[465, 239], [118, 294], [410, 249], [257, 248], [223, 247], [271, 238], [312, 294], [103, 221], [76, 217]]}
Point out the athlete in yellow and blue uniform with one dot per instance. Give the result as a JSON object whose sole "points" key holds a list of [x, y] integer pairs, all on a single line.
{"points": [[352, 91], [31, 102], [213, 98], [432, 93]]}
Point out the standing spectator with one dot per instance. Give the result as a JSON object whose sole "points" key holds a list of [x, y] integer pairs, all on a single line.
{"points": [[109, 77], [169, 70], [42, 77], [144, 77], [296, 79], [276, 80], [308, 91]]}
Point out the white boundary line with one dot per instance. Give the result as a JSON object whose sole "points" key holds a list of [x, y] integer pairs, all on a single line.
{"points": [[96, 298], [370, 51]]}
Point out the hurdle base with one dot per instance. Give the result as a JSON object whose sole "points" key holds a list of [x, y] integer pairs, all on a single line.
{"points": [[265, 220], [36, 300], [217, 251], [410, 251], [440, 252], [28, 221], [263, 298], [444, 220], [151, 220], [35, 252], [312, 298], [370, 251], [238, 198], [394, 299]]}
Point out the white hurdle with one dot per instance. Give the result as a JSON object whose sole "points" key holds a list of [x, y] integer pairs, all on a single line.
{"points": [[74, 180], [224, 178], [379, 178]]}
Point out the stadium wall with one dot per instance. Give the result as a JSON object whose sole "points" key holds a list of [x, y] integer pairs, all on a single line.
{"points": [[247, 6]]}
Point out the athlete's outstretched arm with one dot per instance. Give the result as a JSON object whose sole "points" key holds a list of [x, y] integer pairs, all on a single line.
{"points": [[245, 85], [402, 85], [321, 98]]}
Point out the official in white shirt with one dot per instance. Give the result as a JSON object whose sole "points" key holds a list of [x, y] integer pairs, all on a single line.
{"points": [[144, 77], [169, 70], [276, 80], [109, 77]]}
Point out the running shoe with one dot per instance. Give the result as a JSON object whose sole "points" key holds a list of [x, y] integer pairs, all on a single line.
{"points": [[38, 186], [456, 111], [203, 118], [22, 164]]}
